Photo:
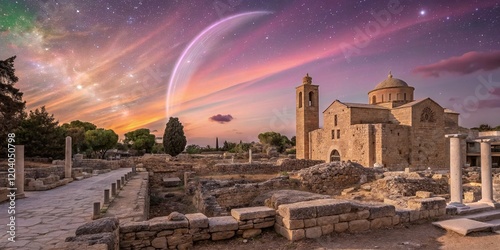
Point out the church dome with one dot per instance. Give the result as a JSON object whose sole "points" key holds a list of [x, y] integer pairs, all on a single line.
{"points": [[391, 82]]}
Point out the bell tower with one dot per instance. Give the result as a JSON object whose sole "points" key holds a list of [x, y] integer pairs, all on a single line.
{"points": [[306, 115]]}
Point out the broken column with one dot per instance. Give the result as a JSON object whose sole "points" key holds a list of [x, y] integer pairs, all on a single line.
{"points": [[456, 169], [19, 167], [250, 156], [67, 159], [486, 178]]}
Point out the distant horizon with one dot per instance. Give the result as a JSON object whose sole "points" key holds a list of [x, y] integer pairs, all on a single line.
{"points": [[230, 69]]}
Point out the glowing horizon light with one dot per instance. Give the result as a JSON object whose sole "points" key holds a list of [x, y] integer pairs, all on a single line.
{"points": [[422, 12], [79, 87]]}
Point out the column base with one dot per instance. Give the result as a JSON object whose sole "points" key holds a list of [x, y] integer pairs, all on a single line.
{"points": [[458, 205], [490, 203], [20, 196]]}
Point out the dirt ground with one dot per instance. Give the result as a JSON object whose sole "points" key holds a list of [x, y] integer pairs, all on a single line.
{"points": [[424, 236]]}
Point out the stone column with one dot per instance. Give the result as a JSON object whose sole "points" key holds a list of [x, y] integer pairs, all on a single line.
{"points": [[19, 167], [106, 196], [486, 176], [250, 156], [456, 193], [67, 159]]}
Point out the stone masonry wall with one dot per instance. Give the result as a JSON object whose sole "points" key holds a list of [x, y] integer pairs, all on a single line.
{"points": [[282, 165], [178, 231], [215, 198], [312, 219]]}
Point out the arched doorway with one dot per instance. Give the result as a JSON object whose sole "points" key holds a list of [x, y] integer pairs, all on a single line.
{"points": [[334, 156]]}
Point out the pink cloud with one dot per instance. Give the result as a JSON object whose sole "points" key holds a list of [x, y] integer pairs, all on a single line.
{"points": [[489, 104], [495, 91], [465, 64]]}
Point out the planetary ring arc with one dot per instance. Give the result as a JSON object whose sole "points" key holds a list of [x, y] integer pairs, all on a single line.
{"points": [[203, 40]]}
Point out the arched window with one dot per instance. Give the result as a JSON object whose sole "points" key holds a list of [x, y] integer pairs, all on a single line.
{"points": [[300, 99], [389, 97], [405, 97], [311, 96], [374, 99], [382, 98], [335, 120], [334, 156]]}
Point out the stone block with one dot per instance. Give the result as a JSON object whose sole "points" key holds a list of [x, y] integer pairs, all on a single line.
{"points": [[395, 220], [161, 224], [293, 224], [313, 232], [327, 229], [197, 220], [201, 236], [363, 214], [341, 227], [294, 235], [165, 233], [414, 215], [263, 224], [160, 242], [309, 222], [178, 239], [378, 211], [279, 220], [427, 204], [297, 211], [250, 233], [223, 235], [171, 181], [327, 207], [221, 224], [424, 214], [327, 220], [104, 225], [384, 222], [423, 194], [185, 246], [359, 226], [251, 213], [247, 226], [348, 217], [441, 211]]}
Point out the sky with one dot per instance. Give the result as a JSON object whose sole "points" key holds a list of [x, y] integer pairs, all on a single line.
{"points": [[229, 68]]}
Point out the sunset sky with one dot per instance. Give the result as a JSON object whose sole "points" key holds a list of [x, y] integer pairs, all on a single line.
{"points": [[229, 68]]}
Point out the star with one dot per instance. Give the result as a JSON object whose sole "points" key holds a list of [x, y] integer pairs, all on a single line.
{"points": [[422, 12]]}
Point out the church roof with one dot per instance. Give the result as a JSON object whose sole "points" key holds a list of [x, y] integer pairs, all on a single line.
{"points": [[362, 105], [356, 105], [415, 103], [391, 82]]}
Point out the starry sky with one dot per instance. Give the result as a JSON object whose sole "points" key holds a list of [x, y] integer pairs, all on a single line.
{"points": [[229, 68]]}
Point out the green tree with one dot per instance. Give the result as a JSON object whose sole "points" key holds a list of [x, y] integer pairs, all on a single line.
{"points": [[101, 140], [485, 127], [140, 140], [41, 135], [293, 140], [76, 129], [193, 149], [174, 140], [11, 101], [158, 149], [497, 128], [281, 142]]}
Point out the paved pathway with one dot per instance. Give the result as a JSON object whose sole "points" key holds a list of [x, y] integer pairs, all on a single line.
{"points": [[46, 218]]}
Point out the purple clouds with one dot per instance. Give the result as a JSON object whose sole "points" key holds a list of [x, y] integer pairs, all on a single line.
{"points": [[465, 64], [221, 118]]}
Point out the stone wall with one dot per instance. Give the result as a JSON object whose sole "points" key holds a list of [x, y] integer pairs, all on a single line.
{"points": [[403, 184], [312, 219], [178, 231], [331, 178], [215, 198], [282, 165]]}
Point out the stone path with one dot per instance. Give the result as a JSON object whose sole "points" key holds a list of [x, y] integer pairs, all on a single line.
{"points": [[46, 218]]}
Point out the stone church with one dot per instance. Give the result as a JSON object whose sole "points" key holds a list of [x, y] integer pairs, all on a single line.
{"points": [[393, 130]]}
